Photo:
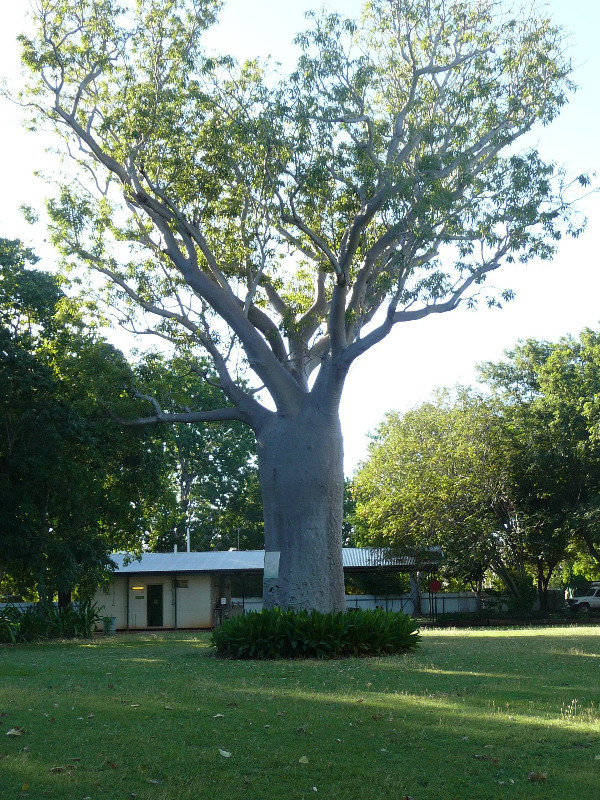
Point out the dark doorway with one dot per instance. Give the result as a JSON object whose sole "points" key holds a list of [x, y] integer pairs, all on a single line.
{"points": [[155, 605]]}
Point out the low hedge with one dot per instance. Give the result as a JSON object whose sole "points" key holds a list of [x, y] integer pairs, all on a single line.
{"points": [[273, 633], [46, 621], [491, 617]]}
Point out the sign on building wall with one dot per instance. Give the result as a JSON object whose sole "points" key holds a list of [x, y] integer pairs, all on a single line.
{"points": [[271, 564]]}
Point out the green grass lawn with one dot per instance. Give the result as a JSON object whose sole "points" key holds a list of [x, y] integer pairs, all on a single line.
{"points": [[467, 717]]}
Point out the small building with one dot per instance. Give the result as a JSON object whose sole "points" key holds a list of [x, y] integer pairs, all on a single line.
{"points": [[193, 590]]}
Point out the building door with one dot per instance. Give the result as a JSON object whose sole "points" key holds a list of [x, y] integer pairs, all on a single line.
{"points": [[155, 605]]}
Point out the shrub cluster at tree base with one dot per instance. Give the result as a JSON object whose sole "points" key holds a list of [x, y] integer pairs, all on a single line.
{"points": [[45, 621], [273, 633]]}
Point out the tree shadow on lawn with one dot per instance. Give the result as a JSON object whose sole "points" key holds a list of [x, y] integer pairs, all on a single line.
{"points": [[382, 746], [365, 728]]}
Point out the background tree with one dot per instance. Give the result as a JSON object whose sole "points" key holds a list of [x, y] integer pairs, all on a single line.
{"points": [[73, 485], [269, 219], [550, 398], [508, 482], [437, 476], [216, 493]]}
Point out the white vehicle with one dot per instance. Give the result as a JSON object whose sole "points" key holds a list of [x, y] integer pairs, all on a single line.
{"points": [[587, 602]]}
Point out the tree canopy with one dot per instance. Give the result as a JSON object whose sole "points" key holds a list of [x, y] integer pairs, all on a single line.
{"points": [[375, 168], [550, 392], [507, 481], [73, 486], [282, 224], [437, 476]]}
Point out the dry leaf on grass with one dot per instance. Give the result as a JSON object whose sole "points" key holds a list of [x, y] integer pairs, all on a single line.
{"points": [[218, 716], [15, 732], [303, 760], [537, 776], [57, 769], [225, 753]]}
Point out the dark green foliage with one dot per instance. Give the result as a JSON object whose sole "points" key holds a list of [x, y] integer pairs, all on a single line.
{"points": [[273, 633], [74, 484], [46, 621], [506, 483], [9, 624]]}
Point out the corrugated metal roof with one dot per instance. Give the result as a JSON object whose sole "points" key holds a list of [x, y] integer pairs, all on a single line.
{"points": [[365, 557], [209, 561], [253, 560]]}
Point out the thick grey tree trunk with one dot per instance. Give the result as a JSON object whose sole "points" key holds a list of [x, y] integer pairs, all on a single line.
{"points": [[301, 471]]}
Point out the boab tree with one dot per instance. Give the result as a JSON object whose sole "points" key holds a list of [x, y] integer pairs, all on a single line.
{"points": [[287, 223]]}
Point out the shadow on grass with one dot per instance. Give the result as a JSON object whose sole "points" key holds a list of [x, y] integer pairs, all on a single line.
{"points": [[471, 720]]}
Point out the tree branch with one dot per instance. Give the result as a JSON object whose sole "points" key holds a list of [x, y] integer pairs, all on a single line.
{"points": [[392, 317], [215, 415]]}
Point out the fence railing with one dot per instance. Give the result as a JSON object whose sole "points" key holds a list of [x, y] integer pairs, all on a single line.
{"points": [[21, 605], [442, 602]]}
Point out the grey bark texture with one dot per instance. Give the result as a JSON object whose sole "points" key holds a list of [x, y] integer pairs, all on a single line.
{"points": [[301, 468]]}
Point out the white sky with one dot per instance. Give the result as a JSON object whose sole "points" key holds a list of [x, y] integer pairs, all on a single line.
{"points": [[553, 299]]}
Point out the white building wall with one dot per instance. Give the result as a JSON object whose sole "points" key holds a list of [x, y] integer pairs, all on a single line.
{"points": [[138, 603], [111, 601], [194, 602]]}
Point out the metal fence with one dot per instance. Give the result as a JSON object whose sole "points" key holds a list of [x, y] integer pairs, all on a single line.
{"points": [[22, 606], [442, 602]]}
